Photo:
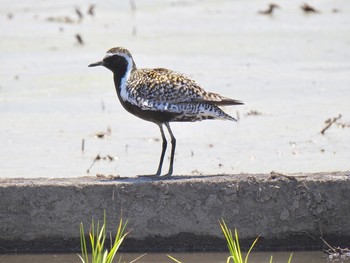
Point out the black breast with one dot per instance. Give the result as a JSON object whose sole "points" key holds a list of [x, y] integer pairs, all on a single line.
{"points": [[148, 115]]}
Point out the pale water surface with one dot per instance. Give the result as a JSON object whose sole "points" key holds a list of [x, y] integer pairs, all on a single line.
{"points": [[292, 68]]}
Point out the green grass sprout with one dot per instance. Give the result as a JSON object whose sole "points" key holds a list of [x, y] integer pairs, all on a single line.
{"points": [[233, 245], [97, 237]]}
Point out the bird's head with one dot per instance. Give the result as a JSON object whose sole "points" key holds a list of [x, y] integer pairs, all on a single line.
{"points": [[118, 60]]}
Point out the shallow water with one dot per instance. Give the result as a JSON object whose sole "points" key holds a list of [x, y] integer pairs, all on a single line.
{"points": [[258, 257], [292, 68]]}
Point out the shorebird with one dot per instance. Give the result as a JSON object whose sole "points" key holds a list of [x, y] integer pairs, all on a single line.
{"points": [[309, 9], [269, 10], [162, 96]]}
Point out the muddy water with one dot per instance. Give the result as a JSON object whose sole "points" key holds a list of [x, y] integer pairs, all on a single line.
{"points": [[291, 68], [278, 257]]}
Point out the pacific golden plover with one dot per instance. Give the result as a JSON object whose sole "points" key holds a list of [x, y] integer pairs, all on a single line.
{"points": [[161, 96]]}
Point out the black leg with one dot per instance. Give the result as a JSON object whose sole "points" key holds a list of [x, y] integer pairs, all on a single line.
{"points": [[173, 145], [164, 145]]}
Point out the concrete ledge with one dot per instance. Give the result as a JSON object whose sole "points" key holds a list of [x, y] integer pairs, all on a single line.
{"points": [[182, 213]]}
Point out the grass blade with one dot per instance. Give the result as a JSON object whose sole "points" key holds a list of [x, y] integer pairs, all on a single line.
{"points": [[84, 255], [97, 238], [250, 249], [174, 259], [234, 246]]}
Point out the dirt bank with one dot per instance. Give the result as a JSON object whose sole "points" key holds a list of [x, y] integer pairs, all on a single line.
{"points": [[181, 213]]}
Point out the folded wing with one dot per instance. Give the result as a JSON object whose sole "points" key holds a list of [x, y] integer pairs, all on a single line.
{"points": [[166, 86]]}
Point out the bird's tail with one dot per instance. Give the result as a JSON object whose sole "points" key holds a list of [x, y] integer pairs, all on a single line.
{"points": [[226, 116], [228, 102], [221, 115], [219, 100]]}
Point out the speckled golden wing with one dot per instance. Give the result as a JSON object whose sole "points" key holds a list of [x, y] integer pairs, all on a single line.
{"points": [[165, 85]]}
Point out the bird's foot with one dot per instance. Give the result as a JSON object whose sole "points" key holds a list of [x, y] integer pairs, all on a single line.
{"points": [[149, 175], [168, 175]]}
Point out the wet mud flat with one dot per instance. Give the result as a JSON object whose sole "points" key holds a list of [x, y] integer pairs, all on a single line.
{"points": [[287, 211]]}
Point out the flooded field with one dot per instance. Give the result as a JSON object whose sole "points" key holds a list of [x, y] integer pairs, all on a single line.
{"points": [[291, 69]]}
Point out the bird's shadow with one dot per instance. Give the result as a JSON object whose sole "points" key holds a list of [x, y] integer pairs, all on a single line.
{"points": [[125, 179]]}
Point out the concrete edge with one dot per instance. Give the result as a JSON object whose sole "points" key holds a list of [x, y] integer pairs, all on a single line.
{"points": [[287, 211]]}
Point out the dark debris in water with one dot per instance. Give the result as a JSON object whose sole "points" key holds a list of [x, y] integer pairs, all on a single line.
{"points": [[104, 158], [79, 13], [277, 175], [79, 39], [253, 113], [104, 134], [330, 121], [61, 19], [79, 16], [336, 253], [91, 10]]}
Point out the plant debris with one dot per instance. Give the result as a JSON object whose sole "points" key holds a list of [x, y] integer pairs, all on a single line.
{"points": [[61, 19], [102, 134], [196, 172], [274, 175], [83, 145], [336, 252], [91, 10], [79, 13], [108, 177], [329, 122], [104, 158], [253, 113], [343, 124], [79, 39]]}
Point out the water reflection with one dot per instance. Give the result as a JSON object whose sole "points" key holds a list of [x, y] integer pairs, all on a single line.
{"points": [[255, 257]]}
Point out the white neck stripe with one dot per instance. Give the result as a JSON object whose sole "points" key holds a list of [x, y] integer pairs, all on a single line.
{"points": [[125, 95]]}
